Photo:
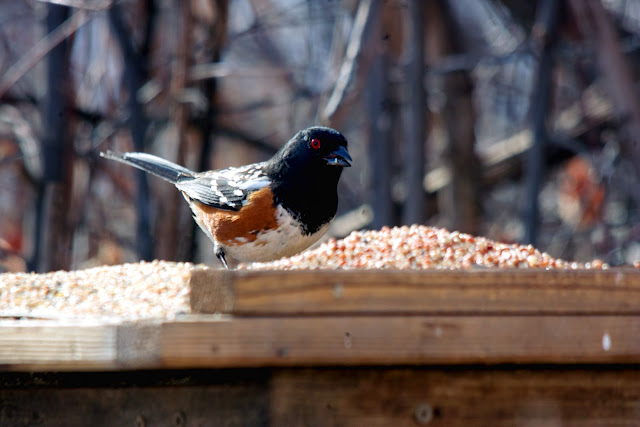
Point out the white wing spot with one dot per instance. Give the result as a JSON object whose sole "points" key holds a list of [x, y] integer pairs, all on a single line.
{"points": [[238, 192], [255, 185]]}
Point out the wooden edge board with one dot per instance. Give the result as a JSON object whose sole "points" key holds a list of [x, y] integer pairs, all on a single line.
{"points": [[486, 291], [455, 398], [224, 341], [73, 345], [393, 340], [51, 345], [374, 397]]}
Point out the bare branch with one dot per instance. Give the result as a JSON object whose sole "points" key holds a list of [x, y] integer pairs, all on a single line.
{"points": [[220, 69], [94, 5], [42, 48], [596, 26], [366, 11]]}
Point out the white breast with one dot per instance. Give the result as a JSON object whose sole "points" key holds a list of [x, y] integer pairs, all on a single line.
{"points": [[270, 245]]}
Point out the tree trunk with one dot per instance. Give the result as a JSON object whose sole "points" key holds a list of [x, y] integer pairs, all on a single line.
{"points": [[414, 207], [544, 34], [53, 240]]}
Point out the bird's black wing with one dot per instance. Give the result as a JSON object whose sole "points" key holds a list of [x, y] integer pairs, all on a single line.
{"points": [[225, 189]]}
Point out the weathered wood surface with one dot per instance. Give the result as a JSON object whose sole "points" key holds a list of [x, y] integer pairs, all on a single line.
{"points": [[43, 345], [447, 396], [410, 397], [397, 340], [225, 341], [355, 318], [476, 291], [135, 398], [344, 348]]}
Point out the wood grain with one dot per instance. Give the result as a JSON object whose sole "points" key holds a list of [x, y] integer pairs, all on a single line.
{"points": [[45, 345], [393, 340], [409, 396], [412, 292], [211, 291], [456, 397], [169, 401], [224, 341], [356, 318]]}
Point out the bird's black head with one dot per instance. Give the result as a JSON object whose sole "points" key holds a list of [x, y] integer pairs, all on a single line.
{"points": [[305, 172], [315, 155], [316, 147]]}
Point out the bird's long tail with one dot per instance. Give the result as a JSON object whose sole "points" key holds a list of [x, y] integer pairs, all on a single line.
{"points": [[152, 164]]}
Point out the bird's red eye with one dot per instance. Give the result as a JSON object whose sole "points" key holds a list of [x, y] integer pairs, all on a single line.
{"points": [[315, 144]]}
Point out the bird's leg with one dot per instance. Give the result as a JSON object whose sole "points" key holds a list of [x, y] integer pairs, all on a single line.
{"points": [[220, 254]]}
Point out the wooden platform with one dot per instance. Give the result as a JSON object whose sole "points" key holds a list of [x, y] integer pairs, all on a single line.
{"points": [[479, 347]]}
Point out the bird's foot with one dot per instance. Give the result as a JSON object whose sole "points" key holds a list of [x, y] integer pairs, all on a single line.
{"points": [[221, 256]]}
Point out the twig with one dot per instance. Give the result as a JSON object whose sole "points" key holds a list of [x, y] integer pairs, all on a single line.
{"points": [[94, 5], [468, 61], [217, 70], [354, 48], [11, 158], [42, 48], [258, 143]]}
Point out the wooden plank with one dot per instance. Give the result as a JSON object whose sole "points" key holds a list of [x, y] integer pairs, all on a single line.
{"points": [[455, 397], [72, 345], [409, 396], [614, 291], [43, 345], [389, 340], [211, 290], [170, 399], [205, 342]]}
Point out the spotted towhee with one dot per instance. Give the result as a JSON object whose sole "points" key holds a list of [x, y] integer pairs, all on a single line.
{"points": [[263, 211]]}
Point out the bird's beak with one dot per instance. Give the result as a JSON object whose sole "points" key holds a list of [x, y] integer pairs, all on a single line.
{"points": [[339, 157]]}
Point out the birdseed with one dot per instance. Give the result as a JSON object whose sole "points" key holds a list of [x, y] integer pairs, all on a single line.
{"points": [[418, 247], [127, 291], [161, 289]]}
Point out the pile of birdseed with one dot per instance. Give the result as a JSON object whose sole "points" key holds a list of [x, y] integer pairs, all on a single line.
{"points": [[418, 247], [161, 289], [127, 291]]}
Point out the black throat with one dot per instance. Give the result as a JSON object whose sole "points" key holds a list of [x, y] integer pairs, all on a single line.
{"points": [[308, 192]]}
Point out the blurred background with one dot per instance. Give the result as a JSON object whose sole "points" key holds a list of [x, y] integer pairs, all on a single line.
{"points": [[514, 119]]}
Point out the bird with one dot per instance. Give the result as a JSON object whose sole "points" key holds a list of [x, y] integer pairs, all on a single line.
{"points": [[262, 211]]}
